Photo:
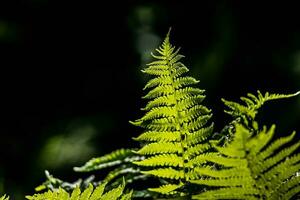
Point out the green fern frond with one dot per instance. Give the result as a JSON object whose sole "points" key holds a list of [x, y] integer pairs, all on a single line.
{"points": [[250, 163], [121, 159], [252, 104], [4, 197], [174, 124], [114, 158], [88, 194], [53, 183]]}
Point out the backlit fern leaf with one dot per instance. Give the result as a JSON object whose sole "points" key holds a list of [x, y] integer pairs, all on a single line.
{"points": [[252, 104], [174, 124], [114, 158], [121, 159], [88, 194], [251, 166]]}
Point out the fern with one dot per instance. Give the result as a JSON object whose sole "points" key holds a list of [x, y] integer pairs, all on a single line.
{"points": [[253, 103], [53, 183], [114, 158], [251, 167], [122, 160], [179, 149], [174, 124], [88, 194]]}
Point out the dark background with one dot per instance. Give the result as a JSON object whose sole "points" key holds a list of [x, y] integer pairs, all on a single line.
{"points": [[71, 81]]}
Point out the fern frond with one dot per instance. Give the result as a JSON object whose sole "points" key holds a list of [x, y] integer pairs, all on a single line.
{"points": [[53, 183], [253, 103], [88, 194], [250, 163], [114, 158], [174, 124]]}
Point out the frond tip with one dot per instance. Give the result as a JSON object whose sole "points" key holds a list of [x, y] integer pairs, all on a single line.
{"points": [[252, 104]]}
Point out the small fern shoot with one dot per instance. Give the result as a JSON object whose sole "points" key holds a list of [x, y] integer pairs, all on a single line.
{"points": [[174, 124], [251, 167]]}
